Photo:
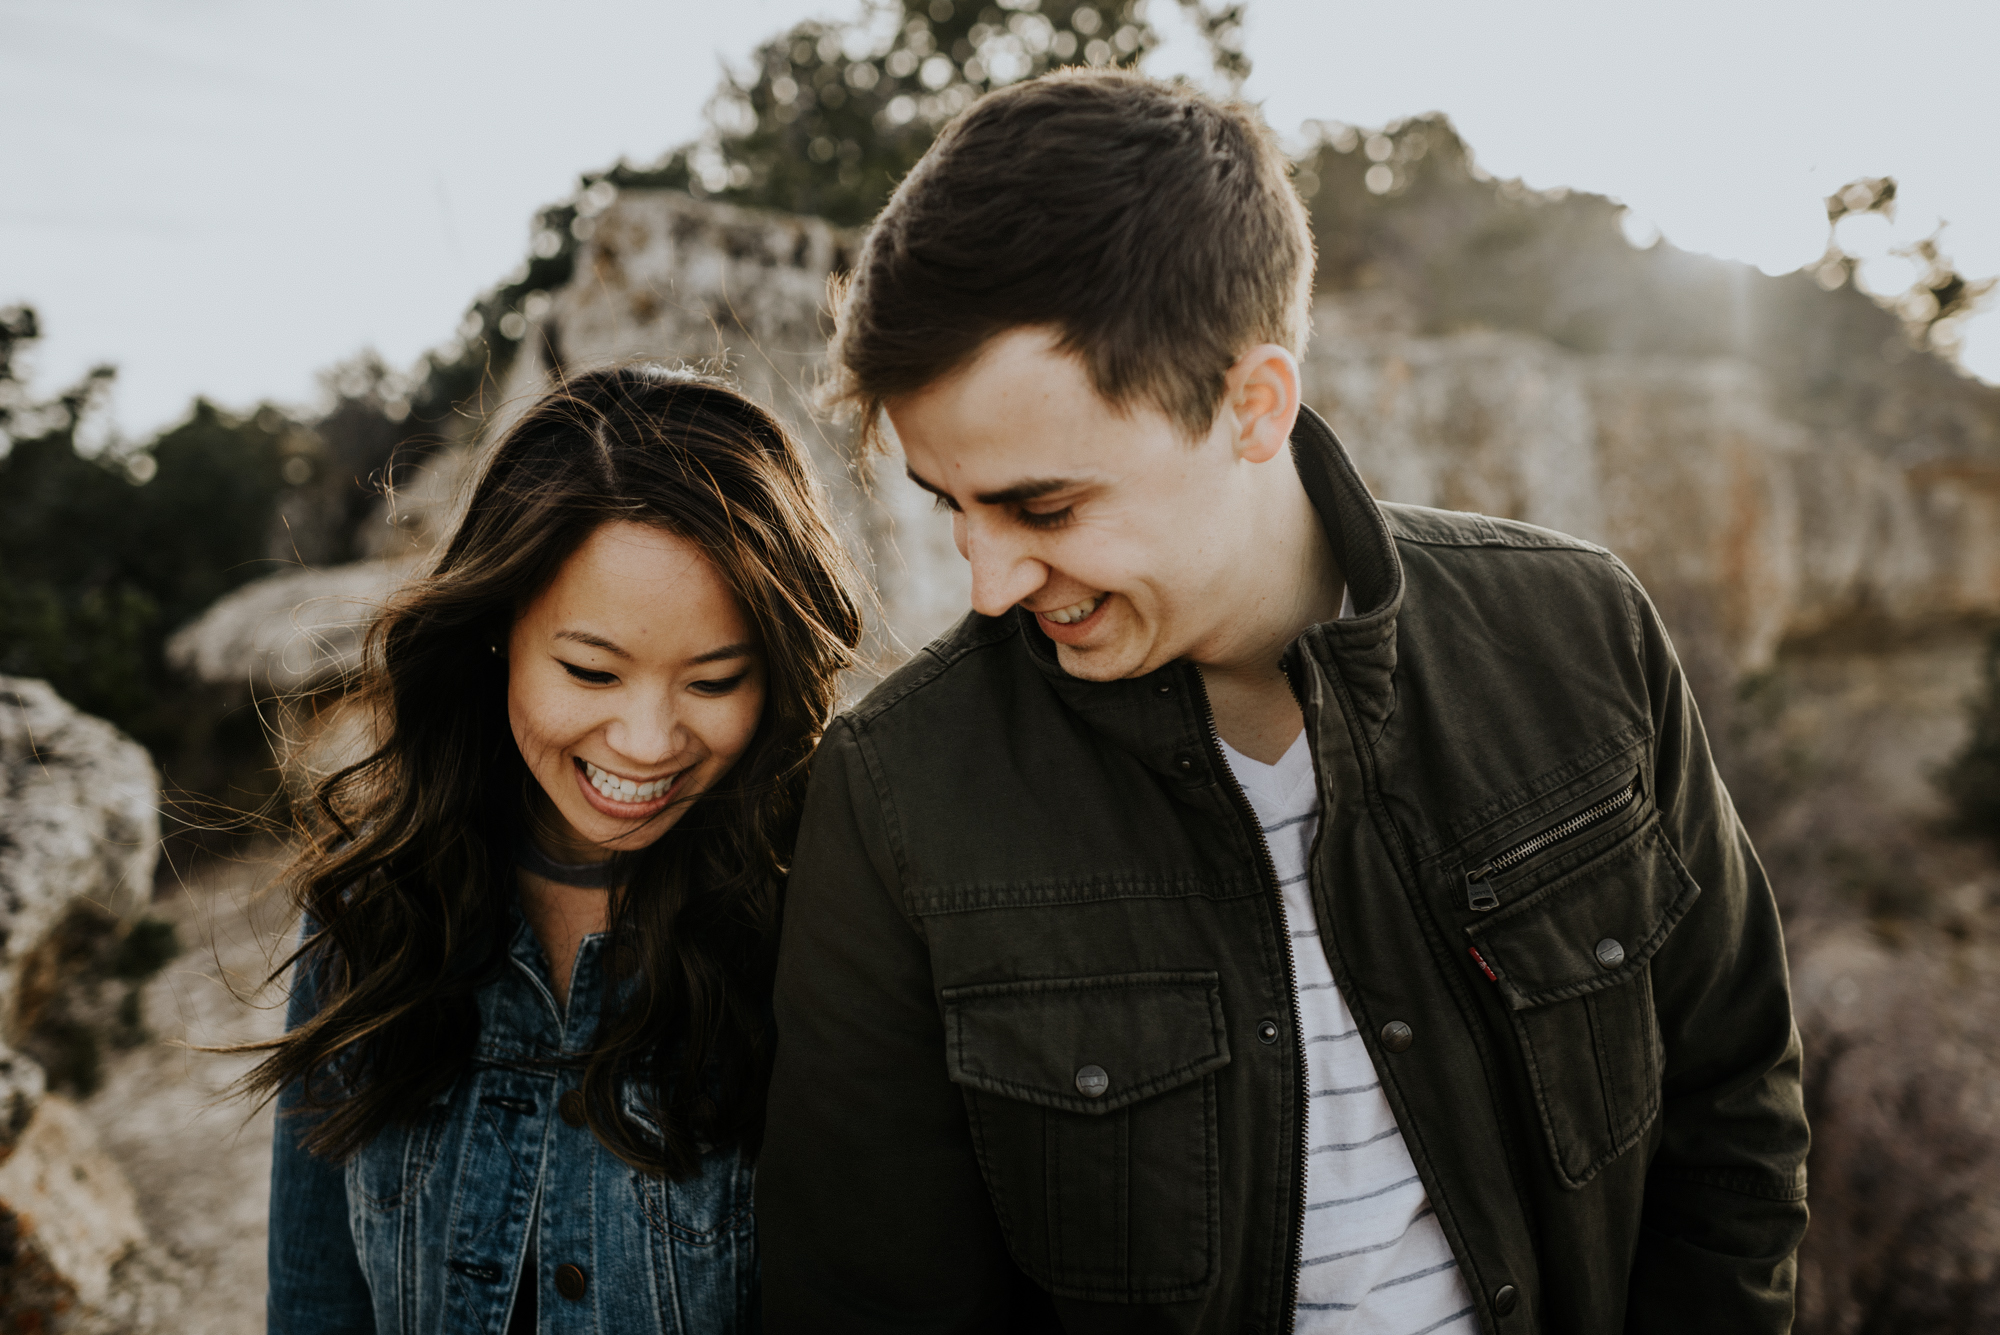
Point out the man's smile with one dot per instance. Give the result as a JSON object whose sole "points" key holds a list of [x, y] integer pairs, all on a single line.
{"points": [[1075, 612]]}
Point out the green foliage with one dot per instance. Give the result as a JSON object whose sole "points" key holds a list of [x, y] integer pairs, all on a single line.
{"points": [[828, 117], [831, 115], [1971, 782], [103, 555]]}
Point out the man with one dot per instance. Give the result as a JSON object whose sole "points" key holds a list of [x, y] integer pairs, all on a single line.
{"points": [[1270, 909]]}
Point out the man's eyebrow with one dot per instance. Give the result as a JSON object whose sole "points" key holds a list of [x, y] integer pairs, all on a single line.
{"points": [[1014, 495], [741, 649], [594, 641]]}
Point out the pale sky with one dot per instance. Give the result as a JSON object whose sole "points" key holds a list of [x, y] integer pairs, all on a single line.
{"points": [[225, 197]]}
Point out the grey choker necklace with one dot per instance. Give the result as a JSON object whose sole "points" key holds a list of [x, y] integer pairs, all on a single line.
{"points": [[529, 857]]}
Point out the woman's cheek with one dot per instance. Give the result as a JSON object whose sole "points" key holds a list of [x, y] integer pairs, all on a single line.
{"points": [[737, 726], [540, 718]]}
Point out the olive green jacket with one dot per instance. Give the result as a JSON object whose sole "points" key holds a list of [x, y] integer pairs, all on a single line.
{"points": [[1530, 882]]}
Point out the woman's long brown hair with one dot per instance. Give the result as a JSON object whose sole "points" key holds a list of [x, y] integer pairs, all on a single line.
{"points": [[405, 871]]}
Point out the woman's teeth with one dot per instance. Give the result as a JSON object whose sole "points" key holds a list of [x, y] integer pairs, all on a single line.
{"points": [[624, 790], [1066, 615]]}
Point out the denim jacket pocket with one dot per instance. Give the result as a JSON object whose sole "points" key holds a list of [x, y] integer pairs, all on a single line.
{"points": [[1092, 1106], [702, 1209], [392, 1167], [1572, 959]]}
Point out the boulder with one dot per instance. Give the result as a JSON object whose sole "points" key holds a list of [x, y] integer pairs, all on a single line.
{"points": [[302, 630], [79, 835], [73, 1214], [79, 823]]}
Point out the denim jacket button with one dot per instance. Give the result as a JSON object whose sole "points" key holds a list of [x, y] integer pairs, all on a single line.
{"points": [[1505, 1298], [571, 1282], [1397, 1036], [1610, 954], [1267, 1032], [570, 1107], [1091, 1082]]}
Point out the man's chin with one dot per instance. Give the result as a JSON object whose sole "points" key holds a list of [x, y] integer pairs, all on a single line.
{"points": [[1101, 662]]}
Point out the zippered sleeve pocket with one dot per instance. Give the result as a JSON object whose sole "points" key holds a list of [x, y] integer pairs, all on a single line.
{"points": [[1093, 1114], [1572, 961]]}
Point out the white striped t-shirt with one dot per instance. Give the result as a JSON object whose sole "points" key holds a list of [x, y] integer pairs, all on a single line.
{"points": [[1375, 1260]]}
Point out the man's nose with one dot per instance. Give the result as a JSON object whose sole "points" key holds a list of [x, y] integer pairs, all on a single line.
{"points": [[1003, 573]]}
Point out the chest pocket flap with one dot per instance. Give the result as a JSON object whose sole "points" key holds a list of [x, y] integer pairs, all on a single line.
{"points": [[1091, 1105], [1573, 960], [1086, 1045], [1595, 928]]}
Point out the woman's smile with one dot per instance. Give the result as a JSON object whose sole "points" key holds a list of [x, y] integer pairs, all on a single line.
{"points": [[624, 798]]}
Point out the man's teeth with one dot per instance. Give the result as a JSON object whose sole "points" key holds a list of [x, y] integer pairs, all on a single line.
{"points": [[1065, 615], [624, 790]]}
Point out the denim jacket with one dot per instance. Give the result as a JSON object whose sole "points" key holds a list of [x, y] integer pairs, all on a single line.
{"points": [[428, 1227]]}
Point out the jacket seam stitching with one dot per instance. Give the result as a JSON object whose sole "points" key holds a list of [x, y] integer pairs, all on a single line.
{"points": [[892, 820], [1742, 1182], [872, 708]]}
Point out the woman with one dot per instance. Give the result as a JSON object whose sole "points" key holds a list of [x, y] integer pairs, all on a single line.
{"points": [[522, 1083]]}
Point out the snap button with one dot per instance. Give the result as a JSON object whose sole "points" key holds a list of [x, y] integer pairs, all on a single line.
{"points": [[1610, 954], [570, 1108], [1506, 1296], [1267, 1032], [1165, 688], [571, 1282], [1185, 764], [1091, 1082], [1397, 1036]]}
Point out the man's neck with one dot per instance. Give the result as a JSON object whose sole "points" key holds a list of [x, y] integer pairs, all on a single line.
{"points": [[1298, 583]]}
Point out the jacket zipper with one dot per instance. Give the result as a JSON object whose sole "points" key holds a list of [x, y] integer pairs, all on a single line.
{"points": [[1270, 870], [1480, 893]]}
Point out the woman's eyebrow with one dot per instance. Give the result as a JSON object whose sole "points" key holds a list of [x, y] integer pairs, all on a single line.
{"points": [[743, 649], [594, 641]]}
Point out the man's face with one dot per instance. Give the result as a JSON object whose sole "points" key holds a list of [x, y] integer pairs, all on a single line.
{"points": [[1122, 536]]}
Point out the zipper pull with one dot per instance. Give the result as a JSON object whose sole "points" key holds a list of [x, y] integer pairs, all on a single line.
{"points": [[1479, 891]]}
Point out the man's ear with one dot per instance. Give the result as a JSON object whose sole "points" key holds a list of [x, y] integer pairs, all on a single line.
{"points": [[1261, 398]]}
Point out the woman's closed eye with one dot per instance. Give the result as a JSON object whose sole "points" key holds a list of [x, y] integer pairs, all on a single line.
{"points": [[721, 685], [586, 675]]}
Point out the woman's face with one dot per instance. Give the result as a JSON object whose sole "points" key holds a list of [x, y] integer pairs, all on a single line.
{"points": [[634, 681]]}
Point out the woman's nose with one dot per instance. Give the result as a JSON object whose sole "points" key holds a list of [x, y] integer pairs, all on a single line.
{"points": [[646, 733]]}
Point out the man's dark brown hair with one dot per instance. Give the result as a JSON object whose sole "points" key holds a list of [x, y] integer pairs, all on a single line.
{"points": [[1154, 229]]}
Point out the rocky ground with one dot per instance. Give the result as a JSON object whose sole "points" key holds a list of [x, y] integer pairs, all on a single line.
{"points": [[199, 1164]]}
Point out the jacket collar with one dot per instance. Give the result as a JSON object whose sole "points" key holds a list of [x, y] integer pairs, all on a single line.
{"points": [[1158, 717]]}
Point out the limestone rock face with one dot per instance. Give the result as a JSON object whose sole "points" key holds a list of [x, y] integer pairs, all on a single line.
{"points": [[79, 809], [79, 825], [1751, 528]]}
